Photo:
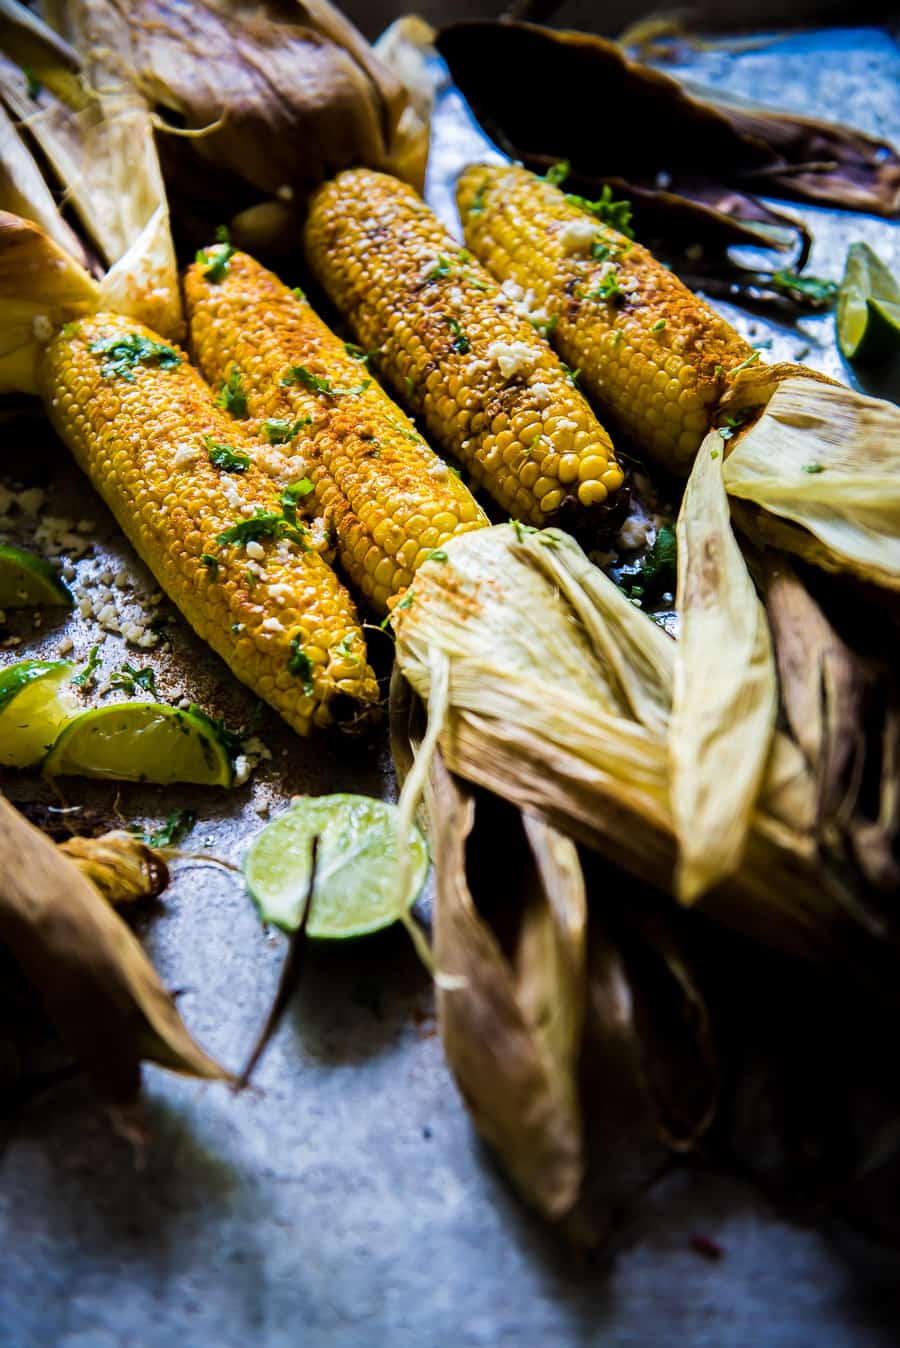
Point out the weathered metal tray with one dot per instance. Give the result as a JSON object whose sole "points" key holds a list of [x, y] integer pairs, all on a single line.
{"points": [[345, 1200]]}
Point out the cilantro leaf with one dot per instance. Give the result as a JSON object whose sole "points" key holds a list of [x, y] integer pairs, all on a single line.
{"points": [[226, 457], [232, 396], [557, 174], [126, 352], [301, 665], [278, 430], [218, 263], [617, 214], [86, 676], [299, 374], [177, 826], [128, 678]]}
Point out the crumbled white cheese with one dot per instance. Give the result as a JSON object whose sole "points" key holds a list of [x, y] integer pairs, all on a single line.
{"points": [[318, 535], [541, 395], [108, 618], [85, 607], [184, 455], [65, 646], [121, 579], [282, 594], [513, 357], [439, 471], [242, 770], [577, 235], [272, 625], [255, 550], [31, 500]]}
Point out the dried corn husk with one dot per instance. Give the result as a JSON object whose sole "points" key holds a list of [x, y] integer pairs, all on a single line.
{"points": [[104, 155], [93, 978], [41, 288], [120, 865], [725, 694], [509, 929], [827, 459], [24, 192], [536, 711]]}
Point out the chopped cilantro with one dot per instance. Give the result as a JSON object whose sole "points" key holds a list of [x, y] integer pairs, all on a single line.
{"points": [[264, 524], [299, 374], [278, 430], [658, 325], [520, 529], [211, 563], [439, 555], [226, 457], [442, 268], [216, 265], [608, 289], [617, 214], [410, 385], [232, 396], [655, 573], [299, 294], [751, 360], [126, 352], [713, 453], [816, 289], [404, 430], [33, 86], [71, 329], [301, 665], [360, 353], [177, 826], [344, 647], [547, 328], [128, 678], [461, 342], [86, 676], [557, 174], [571, 374], [813, 468], [718, 371], [616, 336], [297, 491], [478, 200]]}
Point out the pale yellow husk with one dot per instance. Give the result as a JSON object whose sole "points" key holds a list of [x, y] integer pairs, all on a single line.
{"points": [[725, 696], [827, 459], [559, 697]]}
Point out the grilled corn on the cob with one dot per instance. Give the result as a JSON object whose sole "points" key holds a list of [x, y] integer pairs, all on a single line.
{"points": [[389, 498], [649, 350], [489, 388], [178, 475]]}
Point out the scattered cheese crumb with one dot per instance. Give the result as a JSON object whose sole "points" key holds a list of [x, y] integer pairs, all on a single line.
{"points": [[255, 550], [513, 357], [184, 455], [578, 235], [242, 769], [282, 594], [439, 471], [65, 646], [541, 395], [272, 625]]}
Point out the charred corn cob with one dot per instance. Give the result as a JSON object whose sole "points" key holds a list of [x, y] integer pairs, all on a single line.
{"points": [[178, 475], [390, 500], [489, 389], [650, 352]]}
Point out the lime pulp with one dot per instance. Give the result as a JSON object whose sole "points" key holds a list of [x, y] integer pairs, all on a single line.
{"points": [[141, 742], [27, 580], [35, 702]]}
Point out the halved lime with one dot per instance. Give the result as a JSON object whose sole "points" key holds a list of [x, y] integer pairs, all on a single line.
{"points": [[355, 869], [141, 742], [28, 580], [868, 308], [35, 701]]}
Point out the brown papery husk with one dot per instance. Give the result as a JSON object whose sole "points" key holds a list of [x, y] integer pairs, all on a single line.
{"points": [[287, 94], [509, 925], [611, 116], [538, 715], [95, 983], [122, 866]]}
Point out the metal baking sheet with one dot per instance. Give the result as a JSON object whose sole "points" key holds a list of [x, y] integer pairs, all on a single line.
{"points": [[344, 1201]]}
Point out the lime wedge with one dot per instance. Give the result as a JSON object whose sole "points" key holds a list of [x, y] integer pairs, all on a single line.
{"points": [[27, 580], [141, 742], [868, 308], [355, 872], [35, 701]]}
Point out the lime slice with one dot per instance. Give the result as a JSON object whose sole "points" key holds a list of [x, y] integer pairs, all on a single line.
{"points": [[355, 872], [35, 701], [868, 308], [27, 580], [141, 742]]}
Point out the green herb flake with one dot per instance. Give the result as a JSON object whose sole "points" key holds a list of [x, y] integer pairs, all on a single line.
{"points": [[299, 374], [299, 294], [545, 328], [297, 491], [713, 453], [232, 396], [345, 649], [733, 423], [211, 563], [571, 375], [751, 360], [461, 342], [442, 268], [301, 665], [33, 86], [405, 430], [557, 174], [439, 555], [128, 678], [616, 214], [279, 430], [478, 200], [86, 676], [264, 524], [816, 290], [718, 371], [608, 289], [71, 329], [813, 468], [409, 384], [217, 264], [127, 352], [658, 325], [520, 529], [226, 457], [176, 828], [360, 353]]}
